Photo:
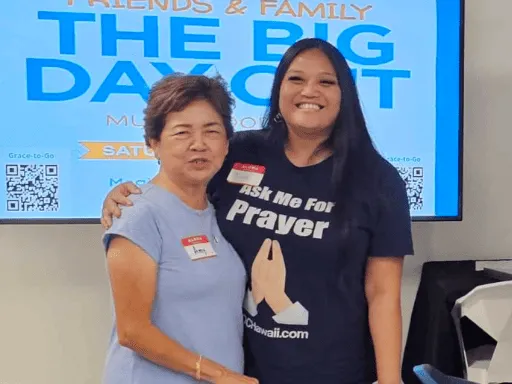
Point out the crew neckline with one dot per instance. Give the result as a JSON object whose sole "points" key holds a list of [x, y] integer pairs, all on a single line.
{"points": [[306, 168], [181, 203]]}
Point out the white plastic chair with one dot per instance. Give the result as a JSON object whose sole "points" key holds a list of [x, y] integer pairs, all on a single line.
{"points": [[489, 306]]}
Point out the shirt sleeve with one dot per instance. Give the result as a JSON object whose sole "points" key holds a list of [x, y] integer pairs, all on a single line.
{"points": [[392, 234], [137, 224]]}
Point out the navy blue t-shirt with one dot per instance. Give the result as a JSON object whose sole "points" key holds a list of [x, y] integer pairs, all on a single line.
{"points": [[305, 314]]}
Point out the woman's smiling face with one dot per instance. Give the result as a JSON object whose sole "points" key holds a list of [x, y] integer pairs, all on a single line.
{"points": [[310, 96]]}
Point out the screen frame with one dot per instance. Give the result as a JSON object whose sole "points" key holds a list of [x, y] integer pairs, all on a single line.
{"points": [[460, 143], [460, 160]]}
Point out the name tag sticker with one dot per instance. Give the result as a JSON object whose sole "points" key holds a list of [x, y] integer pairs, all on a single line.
{"points": [[198, 247], [247, 174]]}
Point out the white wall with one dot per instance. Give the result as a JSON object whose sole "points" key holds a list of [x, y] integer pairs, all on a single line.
{"points": [[485, 232], [54, 294]]}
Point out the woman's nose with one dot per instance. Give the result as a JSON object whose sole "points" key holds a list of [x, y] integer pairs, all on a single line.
{"points": [[310, 89], [198, 142]]}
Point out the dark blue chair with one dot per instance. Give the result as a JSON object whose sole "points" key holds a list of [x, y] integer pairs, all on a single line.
{"points": [[427, 374]]}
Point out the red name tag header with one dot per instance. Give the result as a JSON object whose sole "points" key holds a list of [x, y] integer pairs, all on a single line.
{"points": [[249, 168], [194, 240]]}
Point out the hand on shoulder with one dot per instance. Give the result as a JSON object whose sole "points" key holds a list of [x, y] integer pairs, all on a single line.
{"points": [[115, 198]]}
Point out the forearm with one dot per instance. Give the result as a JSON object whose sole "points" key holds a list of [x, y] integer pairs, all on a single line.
{"points": [[385, 319], [149, 342]]}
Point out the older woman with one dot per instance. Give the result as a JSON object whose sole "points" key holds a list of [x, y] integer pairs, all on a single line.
{"points": [[321, 221], [177, 284]]}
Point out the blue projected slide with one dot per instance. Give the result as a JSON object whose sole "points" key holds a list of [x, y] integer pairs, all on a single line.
{"points": [[75, 75]]}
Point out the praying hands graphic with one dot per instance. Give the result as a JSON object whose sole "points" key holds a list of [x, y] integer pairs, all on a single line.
{"points": [[268, 282]]}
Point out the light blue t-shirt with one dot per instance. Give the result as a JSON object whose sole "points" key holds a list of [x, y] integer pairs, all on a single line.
{"points": [[197, 303]]}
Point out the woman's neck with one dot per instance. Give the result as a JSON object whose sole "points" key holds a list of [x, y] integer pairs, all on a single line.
{"points": [[306, 149], [194, 196]]}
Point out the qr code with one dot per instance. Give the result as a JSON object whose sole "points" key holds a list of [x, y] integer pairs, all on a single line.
{"points": [[413, 177], [31, 187]]}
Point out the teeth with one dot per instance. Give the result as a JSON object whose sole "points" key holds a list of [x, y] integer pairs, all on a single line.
{"points": [[309, 106]]}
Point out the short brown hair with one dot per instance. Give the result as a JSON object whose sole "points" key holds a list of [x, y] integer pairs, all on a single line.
{"points": [[175, 92]]}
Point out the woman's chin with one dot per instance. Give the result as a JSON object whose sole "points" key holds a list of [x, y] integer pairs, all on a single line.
{"points": [[310, 127]]}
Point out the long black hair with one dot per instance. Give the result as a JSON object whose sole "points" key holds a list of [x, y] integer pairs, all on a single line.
{"points": [[354, 155]]}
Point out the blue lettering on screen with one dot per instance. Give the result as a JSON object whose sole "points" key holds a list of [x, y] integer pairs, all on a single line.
{"points": [[386, 53], [67, 31], [344, 42], [110, 35], [148, 37], [35, 82], [180, 38]]}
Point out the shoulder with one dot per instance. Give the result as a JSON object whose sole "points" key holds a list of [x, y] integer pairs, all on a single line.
{"points": [[138, 222], [388, 176], [392, 232], [252, 139], [390, 192], [244, 146], [142, 213], [144, 204]]}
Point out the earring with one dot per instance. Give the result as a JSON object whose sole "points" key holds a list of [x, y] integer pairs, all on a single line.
{"points": [[278, 118]]}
